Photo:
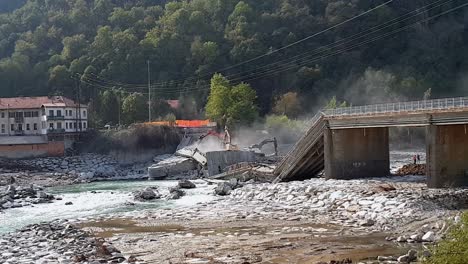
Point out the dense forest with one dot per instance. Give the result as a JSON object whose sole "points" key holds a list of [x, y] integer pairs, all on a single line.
{"points": [[102, 49]]}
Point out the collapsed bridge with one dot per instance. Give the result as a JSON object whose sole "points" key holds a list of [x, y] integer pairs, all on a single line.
{"points": [[353, 142]]}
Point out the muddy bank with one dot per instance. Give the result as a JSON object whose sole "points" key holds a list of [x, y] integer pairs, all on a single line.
{"points": [[242, 241]]}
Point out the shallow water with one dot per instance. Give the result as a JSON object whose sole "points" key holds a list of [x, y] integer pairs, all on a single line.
{"points": [[109, 198]]}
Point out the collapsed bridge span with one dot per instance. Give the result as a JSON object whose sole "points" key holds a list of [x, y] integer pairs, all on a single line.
{"points": [[352, 142]]}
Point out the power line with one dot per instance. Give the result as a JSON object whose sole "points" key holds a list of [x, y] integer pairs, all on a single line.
{"points": [[287, 46], [273, 71], [309, 37], [357, 45]]}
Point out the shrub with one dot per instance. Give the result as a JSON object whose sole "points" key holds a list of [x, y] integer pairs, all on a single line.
{"points": [[454, 248]]}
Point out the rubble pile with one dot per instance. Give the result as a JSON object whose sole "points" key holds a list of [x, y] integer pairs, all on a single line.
{"points": [[13, 196], [57, 242], [412, 169]]}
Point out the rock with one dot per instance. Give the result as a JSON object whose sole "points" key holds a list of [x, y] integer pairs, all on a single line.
{"points": [[401, 239], [403, 259], [367, 222], [412, 255], [429, 237], [186, 184], [384, 258], [146, 194], [409, 257], [223, 188], [68, 203], [416, 238], [175, 193]]}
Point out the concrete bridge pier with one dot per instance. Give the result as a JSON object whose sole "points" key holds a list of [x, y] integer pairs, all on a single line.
{"points": [[357, 153], [447, 155]]}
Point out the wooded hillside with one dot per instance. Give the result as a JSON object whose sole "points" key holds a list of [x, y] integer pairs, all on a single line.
{"points": [[44, 43]]}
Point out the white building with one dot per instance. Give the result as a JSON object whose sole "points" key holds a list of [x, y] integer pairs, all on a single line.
{"points": [[23, 116]]}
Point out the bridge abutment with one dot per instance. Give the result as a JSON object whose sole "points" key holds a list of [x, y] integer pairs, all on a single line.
{"points": [[356, 153], [447, 155]]}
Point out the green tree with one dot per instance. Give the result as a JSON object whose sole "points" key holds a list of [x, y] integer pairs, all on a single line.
{"points": [[287, 104], [135, 108], [109, 108], [333, 103], [231, 105]]}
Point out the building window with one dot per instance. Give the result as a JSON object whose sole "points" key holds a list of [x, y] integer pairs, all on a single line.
{"points": [[35, 114], [27, 114], [20, 127], [3, 128], [51, 112], [35, 126], [12, 127], [74, 125], [11, 114], [28, 127], [59, 125], [84, 113], [59, 112], [84, 125], [51, 125], [3, 114], [66, 124]]}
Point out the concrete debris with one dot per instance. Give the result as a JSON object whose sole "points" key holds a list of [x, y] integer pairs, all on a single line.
{"points": [[225, 188], [171, 167]]}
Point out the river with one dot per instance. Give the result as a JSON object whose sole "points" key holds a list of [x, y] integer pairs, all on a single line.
{"points": [[96, 199]]}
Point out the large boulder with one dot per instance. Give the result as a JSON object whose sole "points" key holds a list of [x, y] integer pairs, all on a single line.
{"points": [[146, 194], [223, 188], [175, 193], [186, 184]]}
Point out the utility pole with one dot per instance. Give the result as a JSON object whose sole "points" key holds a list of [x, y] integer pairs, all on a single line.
{"points": [[120, 103], [8, 119], [149, 91]]}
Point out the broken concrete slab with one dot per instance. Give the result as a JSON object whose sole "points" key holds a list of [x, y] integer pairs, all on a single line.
{"points": [[218, 160], [171, 166]]}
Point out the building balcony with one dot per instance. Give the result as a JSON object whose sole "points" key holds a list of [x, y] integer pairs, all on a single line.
{"points": [[55, 118], [55, 130]]}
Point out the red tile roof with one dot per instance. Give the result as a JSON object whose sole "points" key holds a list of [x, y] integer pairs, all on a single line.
{"points": [[35, 102]]}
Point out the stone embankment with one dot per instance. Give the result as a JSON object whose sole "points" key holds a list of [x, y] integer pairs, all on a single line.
{"points": [[85, 166], [57, 242]]}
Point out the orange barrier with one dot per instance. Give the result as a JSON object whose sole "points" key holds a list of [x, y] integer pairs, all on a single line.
{"points": [[182, 123]]}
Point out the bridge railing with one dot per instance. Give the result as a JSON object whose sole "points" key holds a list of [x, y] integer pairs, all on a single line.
{"points": [[412, 106]]}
